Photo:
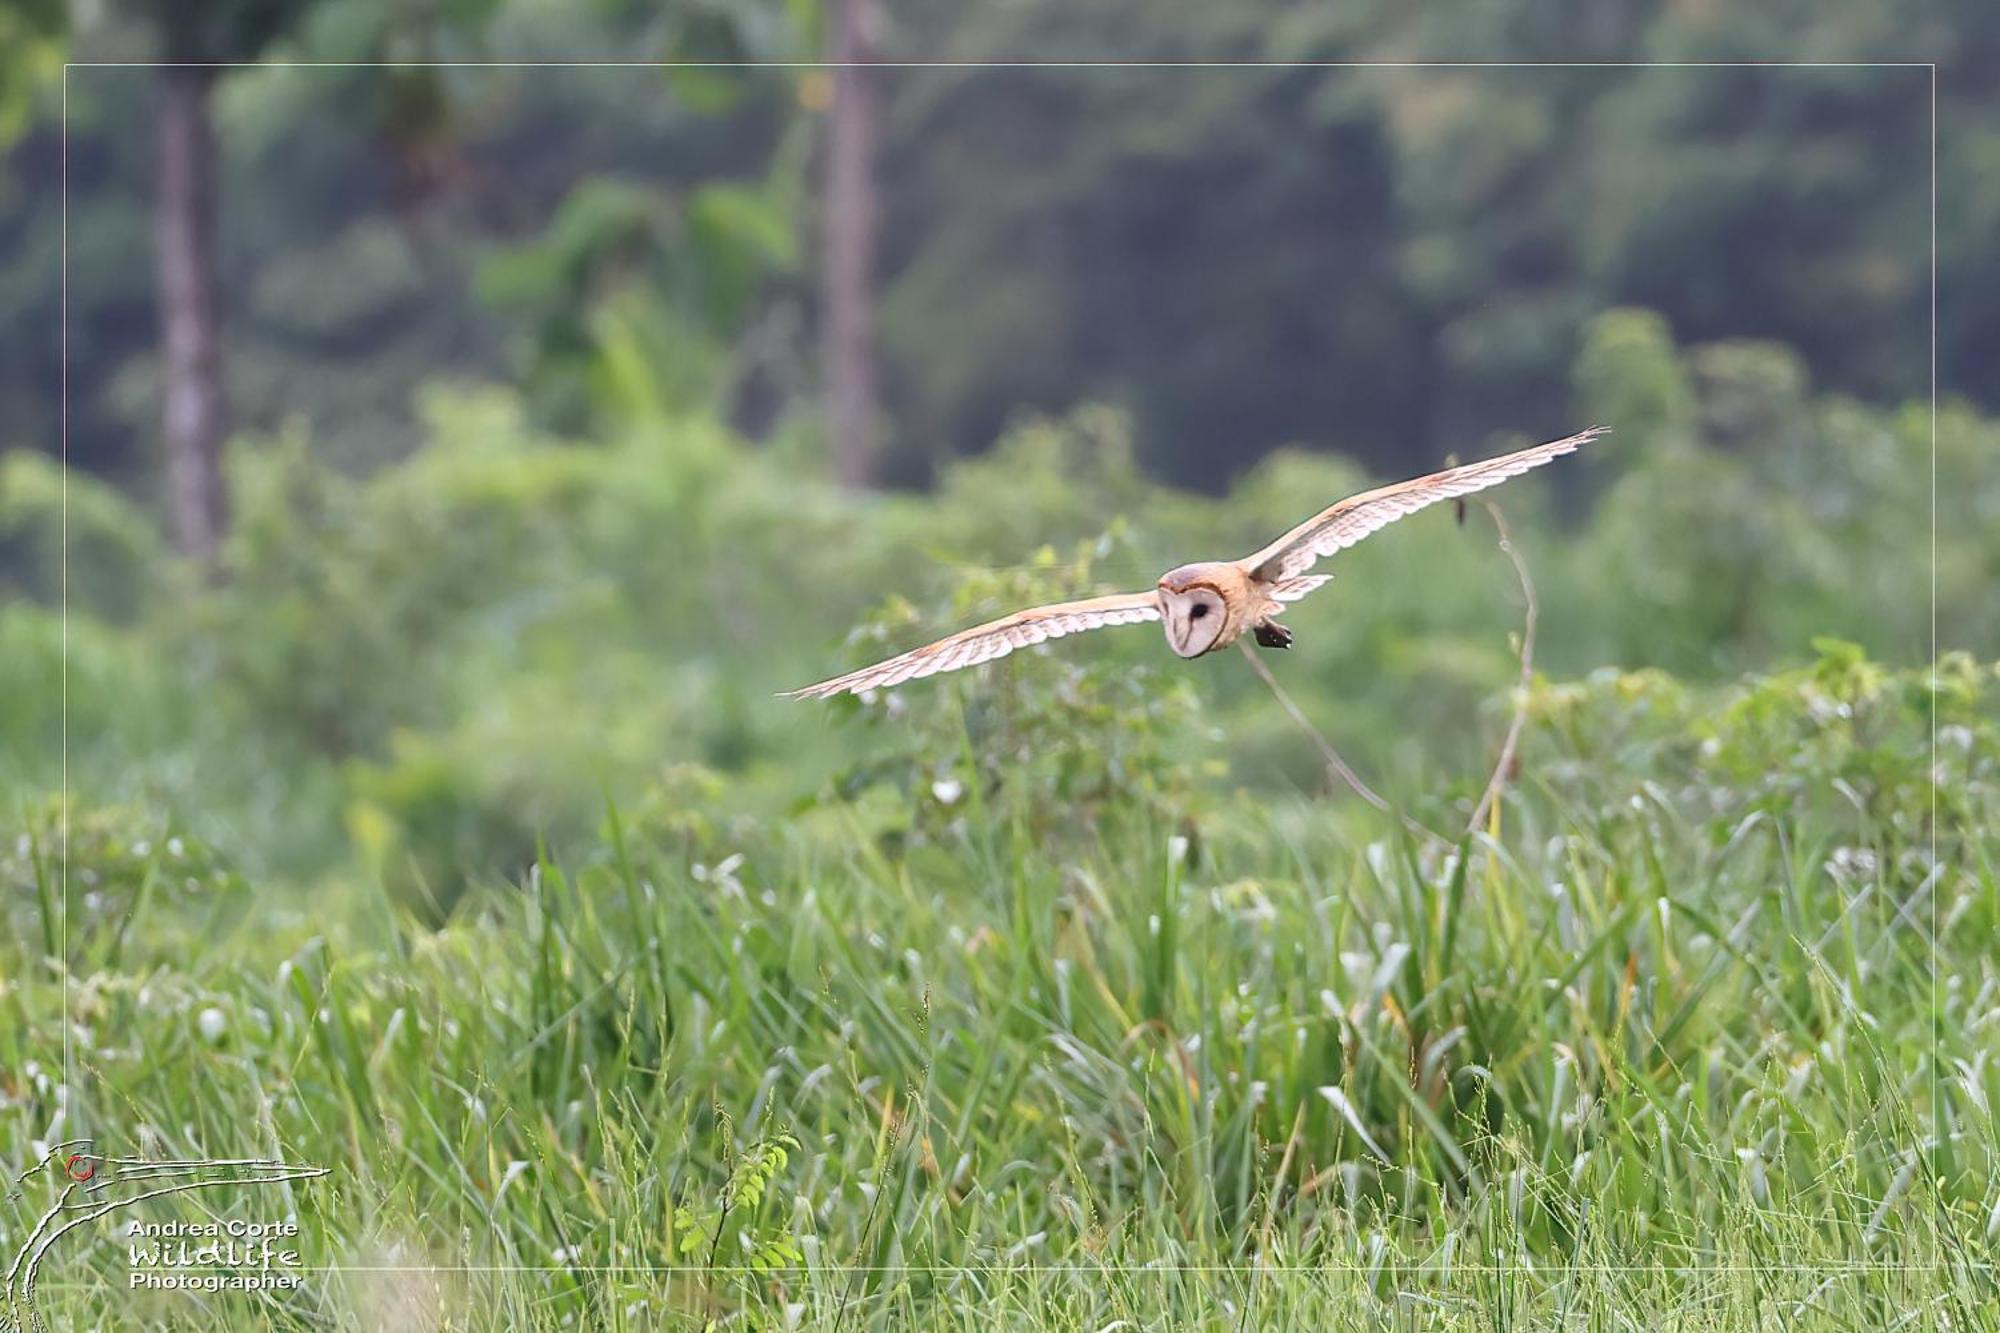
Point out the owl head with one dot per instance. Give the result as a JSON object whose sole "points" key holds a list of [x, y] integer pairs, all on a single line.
{"points": [[1195, 608]]}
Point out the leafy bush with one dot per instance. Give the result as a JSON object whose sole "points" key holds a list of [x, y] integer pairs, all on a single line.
{"points": [[103, 884], [632, 296], [67, 533], [1051, 747]]}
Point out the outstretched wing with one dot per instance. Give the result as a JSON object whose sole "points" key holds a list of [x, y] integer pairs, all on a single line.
{"points": [[1344, 524], [996, 638]]}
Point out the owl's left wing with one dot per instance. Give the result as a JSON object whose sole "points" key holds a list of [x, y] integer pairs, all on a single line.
{"points": [[1342, 525], [996, 638]]}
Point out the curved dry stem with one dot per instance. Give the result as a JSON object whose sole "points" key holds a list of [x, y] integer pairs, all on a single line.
{"points": [[1509, 745], [1334, 763], [1496, 784]]}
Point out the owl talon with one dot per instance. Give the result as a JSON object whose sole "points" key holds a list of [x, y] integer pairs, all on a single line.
{"points": [[1271, 634]]}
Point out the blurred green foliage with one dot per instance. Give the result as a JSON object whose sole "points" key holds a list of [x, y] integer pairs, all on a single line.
{"points": [[1388, 260], [467, 653], [1382, 261], [126, 870], [629, 307]]}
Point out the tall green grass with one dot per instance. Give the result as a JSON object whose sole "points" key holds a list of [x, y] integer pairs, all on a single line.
{"points": [[1700, 1037]]}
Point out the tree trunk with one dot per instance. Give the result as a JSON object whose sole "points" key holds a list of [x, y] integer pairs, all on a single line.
{"points": [[192, 422], [850, 239]]}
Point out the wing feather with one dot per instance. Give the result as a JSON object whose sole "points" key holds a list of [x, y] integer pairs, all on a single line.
{"points": [[996, 638], [1290, 590], [1343, 524]]}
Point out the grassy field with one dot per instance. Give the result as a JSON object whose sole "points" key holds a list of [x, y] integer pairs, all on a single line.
{"points": [[1696, 1033], [402, 562]]}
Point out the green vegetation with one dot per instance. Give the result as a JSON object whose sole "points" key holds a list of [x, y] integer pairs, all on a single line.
{"points": [[1697, 1032], [459, 657], [391, 777], [453, 841], [1393, 263]]}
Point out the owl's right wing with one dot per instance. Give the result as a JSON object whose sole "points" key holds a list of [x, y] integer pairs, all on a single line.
{"points": [[996, 638], [1341, 525]]}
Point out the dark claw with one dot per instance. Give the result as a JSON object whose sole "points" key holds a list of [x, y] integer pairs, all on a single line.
{"points": [[1271, 634]]}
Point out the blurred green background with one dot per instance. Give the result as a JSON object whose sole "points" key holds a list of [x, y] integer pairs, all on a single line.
{"points": [[530, 489]]}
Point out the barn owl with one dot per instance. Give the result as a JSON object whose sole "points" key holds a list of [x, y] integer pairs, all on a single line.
{"points": [[1212, 604]]}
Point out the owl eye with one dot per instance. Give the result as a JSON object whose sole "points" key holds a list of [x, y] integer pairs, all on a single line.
{"points": [[1200, 610]]}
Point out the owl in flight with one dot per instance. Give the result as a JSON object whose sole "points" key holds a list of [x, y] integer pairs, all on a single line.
{"points": [[1209, 605]]}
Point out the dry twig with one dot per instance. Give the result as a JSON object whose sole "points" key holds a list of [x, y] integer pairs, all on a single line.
{"points": [[1334, 763], [1498, 782], [1509, 746]]}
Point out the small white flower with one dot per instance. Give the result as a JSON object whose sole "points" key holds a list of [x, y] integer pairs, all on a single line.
{"points": [[1025, 1244], [175, 847], [722, 875], [947, 790], [516, 1168], [212, 1023]]}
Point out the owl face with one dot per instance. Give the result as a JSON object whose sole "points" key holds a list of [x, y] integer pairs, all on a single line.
{"points": [[1194, 620], [1195, 611]]}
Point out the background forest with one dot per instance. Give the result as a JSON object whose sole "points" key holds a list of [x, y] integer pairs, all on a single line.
{"points": [[418, 471]]}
